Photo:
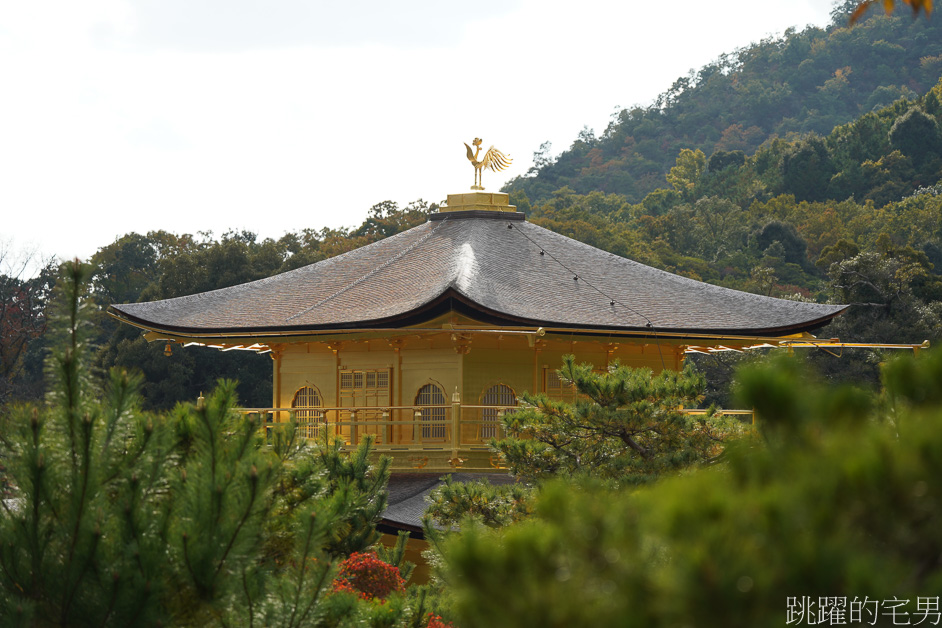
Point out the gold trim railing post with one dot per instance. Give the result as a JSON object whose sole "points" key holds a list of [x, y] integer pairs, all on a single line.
{"points": [[417, 426], [354, 428], [455, 423]]}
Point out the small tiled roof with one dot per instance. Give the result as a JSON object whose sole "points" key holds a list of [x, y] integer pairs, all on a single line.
{"points": [[406, 503], [487, 264]]}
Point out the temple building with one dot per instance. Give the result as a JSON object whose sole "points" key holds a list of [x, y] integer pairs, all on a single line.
{"points": [[424, 339]]}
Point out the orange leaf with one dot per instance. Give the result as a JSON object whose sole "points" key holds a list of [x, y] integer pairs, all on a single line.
{"points": [[889, 5], [917, 5], [860, 10]]}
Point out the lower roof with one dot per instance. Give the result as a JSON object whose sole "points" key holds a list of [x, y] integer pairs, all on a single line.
{"points": [[498, 268], [407, 492]]}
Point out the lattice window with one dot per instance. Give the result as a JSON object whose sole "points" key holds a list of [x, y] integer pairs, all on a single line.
{"points": [[497, 395], [433, 419], [359, 382], [556, 388], [308, 419], [382, 379], [364, 389]]}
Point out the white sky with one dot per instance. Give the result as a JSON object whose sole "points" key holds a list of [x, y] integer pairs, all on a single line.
{"points": [[210, 115]]}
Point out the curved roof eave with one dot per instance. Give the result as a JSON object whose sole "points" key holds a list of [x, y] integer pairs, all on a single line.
{"points": [[473, 309], [497, 271]]}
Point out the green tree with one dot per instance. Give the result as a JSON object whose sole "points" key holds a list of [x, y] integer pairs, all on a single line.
{"points": [[627, 427], [126, 267], [915, 134], [386, 218], [836, 501], [491, 505], [222, 497], [718, 226], [721, 159], [792, 245], [82, 537], [120, 517], [685, 176], [807, 170], [895, 295]]}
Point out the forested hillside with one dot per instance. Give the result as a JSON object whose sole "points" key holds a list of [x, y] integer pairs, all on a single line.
{"points": [[852, 217], [806, 81], [773, 222]]}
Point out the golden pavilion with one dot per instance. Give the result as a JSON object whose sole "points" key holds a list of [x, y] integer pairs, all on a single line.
{"points": [[425, 339]]}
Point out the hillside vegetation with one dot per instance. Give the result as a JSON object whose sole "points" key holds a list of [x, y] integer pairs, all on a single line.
{"points": [[803, 82]]}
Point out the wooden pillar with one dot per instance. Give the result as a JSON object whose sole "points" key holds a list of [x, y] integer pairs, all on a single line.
{"points": [[455, 424], [276, 356], [538, 345], [396, 435], [335, 348], [462, 345]]}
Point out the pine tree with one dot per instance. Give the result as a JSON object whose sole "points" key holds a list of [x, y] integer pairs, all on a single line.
{"points": [[626, 426], [119, 517], [81, 537], [361, 486], [222, 498], [833, 515]]}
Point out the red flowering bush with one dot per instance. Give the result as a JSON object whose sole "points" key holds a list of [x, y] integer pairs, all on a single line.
{"points": [[434, 621], [366, 576]]}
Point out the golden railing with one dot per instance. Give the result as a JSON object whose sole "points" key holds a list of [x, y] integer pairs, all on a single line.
{"points": [[425, 438], [456, 438], [747, 416]]}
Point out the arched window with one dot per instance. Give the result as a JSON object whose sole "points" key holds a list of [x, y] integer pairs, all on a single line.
{"points": [[498, 395], [308, 419], [433, 419]]}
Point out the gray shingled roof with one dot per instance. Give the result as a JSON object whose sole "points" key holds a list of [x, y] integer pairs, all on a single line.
{"points": [[490, 264], [406, 503]]}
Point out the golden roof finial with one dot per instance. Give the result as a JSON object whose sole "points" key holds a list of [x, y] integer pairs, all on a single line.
{"points": [[493, 159]]}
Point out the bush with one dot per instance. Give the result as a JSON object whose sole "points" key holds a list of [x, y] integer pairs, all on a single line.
{"points": [[365, 575]]}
